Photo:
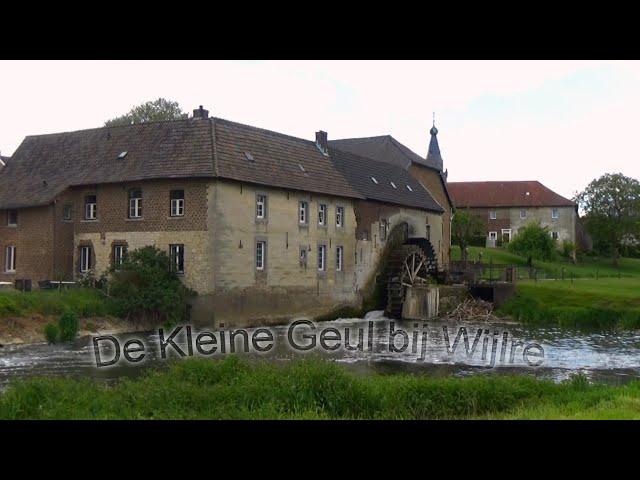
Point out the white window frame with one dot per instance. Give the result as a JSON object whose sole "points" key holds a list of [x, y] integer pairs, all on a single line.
{"points": [[523, 213], [261, 254], [85, 259], [91, 208], [174, 250], [339, 258], [135, 205], [493, 214], [322, 258], [493, 235], [119, 252], [303, 257], [9, 223], [503, 231], [303, 212], [261, 206], [555, 213], [339, 216], [322, 214], [177, 205], [557, 237], [10, 259]]}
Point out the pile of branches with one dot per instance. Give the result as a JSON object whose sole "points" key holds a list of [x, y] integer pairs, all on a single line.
{"points": [[472, 309]]}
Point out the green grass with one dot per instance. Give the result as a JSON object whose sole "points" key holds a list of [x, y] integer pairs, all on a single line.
{"points": [[604, 303], [311, 389], [85, 302], [588, 267]]}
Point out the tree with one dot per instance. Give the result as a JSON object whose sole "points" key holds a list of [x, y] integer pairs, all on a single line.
{"points": [[145, 287], [612, 211], [465, 225], [151, 111], [533, 242]]}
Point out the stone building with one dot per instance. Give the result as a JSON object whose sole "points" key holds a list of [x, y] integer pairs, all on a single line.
{"points": [[261, 224], [428, 171], [506, 207]]}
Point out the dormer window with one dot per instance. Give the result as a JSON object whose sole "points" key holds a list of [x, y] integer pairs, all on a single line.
{"points": [[393, 185], [373, 179], [409, 188], [122, 155]]}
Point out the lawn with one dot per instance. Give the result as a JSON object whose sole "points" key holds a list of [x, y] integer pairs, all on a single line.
{"points": [[603, 303], [589, 267], [312, 389], [86, 302]]}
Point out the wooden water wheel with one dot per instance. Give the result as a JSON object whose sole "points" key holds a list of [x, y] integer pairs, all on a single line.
{"points": [[408, 266]]}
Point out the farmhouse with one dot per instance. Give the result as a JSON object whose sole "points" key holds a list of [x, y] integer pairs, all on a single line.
{"points": [[506, 207], [261, 224]]}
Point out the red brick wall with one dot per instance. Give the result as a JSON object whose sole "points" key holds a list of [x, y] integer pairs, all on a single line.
{"points": [[33, 238]]}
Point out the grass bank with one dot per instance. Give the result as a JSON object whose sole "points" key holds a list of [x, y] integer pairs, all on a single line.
{"points": [[604, 303], [311, 389], [85, 302], [588, 267]]}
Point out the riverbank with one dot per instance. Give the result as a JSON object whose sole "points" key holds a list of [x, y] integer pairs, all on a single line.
{"points": [[311, 389], [23, 316], [605, 303]]}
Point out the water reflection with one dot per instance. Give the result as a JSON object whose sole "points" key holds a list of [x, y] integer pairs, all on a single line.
{"points": [[612, 357]]}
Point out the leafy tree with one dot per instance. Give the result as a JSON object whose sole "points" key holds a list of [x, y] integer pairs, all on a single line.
{"points": [[533, 242], [145, 288], [464, 227], [160, 109], [612, 211]]}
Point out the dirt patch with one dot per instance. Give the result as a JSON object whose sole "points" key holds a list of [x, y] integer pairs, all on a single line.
{"points": [[30, 329]]}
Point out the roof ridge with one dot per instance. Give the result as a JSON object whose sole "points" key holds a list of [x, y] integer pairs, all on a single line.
{"points": [[108, 127], [265, 130]]}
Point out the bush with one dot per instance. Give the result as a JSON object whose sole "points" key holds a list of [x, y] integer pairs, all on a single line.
{"points": [[143, 287], [69, 326], [51, 332], [533, 241]]}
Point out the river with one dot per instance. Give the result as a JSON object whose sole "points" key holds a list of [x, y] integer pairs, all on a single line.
{"points": [[611, 357]]}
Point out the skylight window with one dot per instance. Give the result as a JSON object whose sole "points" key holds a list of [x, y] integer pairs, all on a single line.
{"points": [[249, 156], [409, 188], [122, 155], [373, 179], [393, 185]]}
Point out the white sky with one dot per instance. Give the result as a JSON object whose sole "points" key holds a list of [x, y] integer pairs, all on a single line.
{"points": [[563, 123]]}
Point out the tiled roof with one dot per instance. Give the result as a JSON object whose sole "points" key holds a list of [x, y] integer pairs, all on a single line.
{"points": [[384, 148], [359, 172], [387, 149], [505, 194], [277, 160], [45, 165]]}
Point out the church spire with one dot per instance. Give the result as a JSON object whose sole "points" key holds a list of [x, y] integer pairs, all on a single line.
{"points": [[433, 156]]}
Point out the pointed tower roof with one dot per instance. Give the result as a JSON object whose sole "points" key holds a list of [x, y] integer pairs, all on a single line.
{"points": [[433, 156]]}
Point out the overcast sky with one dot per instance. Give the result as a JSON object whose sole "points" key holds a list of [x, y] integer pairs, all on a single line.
{"points": [[563, 123]]}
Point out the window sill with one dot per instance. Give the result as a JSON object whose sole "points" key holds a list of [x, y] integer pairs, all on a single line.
{"points": [[89, 220], [10, 272], [175, 217], [12, 226], [134, 219]]}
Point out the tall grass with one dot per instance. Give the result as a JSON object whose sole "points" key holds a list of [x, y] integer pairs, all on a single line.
{"points": [[306, 389], [85, 302]]}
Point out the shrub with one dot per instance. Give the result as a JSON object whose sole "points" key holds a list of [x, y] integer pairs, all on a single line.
{"points": [[69, 326], [144, 287], [51, 332], [533, 241]]}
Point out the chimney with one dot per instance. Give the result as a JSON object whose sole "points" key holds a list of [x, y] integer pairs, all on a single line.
{"points": [[200, 113], [321, 142]]}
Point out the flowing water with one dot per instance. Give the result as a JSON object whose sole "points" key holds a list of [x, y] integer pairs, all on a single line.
{"points": [[612, 357]]}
